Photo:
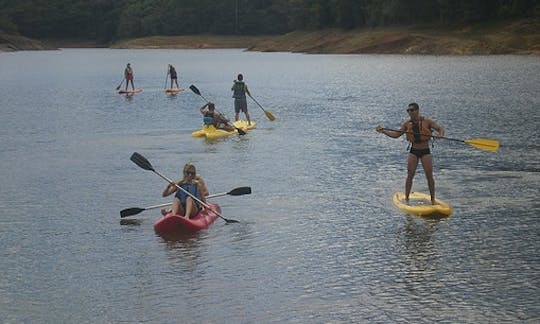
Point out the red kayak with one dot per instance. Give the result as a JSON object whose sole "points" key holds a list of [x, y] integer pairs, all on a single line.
{"points": [[170, 224]]}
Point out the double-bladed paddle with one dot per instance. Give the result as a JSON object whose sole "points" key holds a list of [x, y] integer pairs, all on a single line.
{"points": [[197, 92], [267, 113], [136, 210], [142, 162], [480, 143]]}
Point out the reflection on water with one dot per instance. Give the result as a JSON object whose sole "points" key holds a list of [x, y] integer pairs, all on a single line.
{"points": [[130, 222], [319, 238], [418, 245], [183, 238]]}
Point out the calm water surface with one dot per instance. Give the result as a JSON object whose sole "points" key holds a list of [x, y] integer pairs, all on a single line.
{"points": [[319, 240]]}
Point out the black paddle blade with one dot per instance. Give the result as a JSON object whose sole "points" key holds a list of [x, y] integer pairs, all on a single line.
{"points": [[131, 211], [240, 191], [141, 161], [230, 221], [241, 131], [194, 89]]}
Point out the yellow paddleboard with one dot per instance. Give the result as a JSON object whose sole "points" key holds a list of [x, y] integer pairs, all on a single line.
{"points": [[420, 204], [243, 125]]}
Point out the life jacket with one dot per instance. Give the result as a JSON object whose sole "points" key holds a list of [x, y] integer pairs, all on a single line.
{"points": [[239, 91], [415, 129], [192, 188], [208, 118]]}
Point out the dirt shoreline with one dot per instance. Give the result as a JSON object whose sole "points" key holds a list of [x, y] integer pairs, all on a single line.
{"points": [[509, 37]]}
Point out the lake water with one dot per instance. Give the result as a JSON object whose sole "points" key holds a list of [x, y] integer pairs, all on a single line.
{"points": [[318, 240]]}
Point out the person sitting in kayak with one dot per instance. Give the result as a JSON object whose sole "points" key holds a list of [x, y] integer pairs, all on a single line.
{"points": [[418, 129], [213, 117], [184, 204]]}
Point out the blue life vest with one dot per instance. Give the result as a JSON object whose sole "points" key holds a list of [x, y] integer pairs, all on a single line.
{"points": [[192, 188], [208, 120]]}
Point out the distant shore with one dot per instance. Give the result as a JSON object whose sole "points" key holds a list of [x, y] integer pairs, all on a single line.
{"points": [[511, 37]]}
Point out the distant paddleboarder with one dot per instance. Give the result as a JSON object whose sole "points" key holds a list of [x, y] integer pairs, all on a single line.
{"points": [[173, 75], [128, 75]]}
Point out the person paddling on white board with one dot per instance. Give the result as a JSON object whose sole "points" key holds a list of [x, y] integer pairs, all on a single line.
{"points": [[128, 75], [419, 131], [240, 89], [174, 76], [183, 204]]}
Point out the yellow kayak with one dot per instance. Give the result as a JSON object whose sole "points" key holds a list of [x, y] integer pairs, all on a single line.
{"points": [[420, 204], [212, 133]]}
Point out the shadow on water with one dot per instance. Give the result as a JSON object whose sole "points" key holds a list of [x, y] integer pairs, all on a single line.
{"points": [[184, 250], [435, 217], [187, 239], [131, 222]]}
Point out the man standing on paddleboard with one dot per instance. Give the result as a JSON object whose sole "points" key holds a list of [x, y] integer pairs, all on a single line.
{"points": [[240, 89], [128, 75], [173, 75], [418, 130]]}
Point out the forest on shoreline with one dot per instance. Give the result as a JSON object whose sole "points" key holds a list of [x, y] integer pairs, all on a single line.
{"points": [[311, 26]]}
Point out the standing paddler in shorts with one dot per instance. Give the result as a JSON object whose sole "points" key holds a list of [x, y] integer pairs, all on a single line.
{"points": [[418, 130], [128, 75], [240, 89], [174, 76]]}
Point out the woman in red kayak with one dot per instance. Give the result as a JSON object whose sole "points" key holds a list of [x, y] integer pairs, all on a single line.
{"points": [[184, 204]]}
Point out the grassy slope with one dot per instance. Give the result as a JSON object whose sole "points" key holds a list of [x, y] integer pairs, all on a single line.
{"points": [[515, 37], [511, 37], [10, 42]]}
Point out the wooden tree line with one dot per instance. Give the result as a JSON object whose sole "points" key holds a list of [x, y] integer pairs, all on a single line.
{"points": [[107, 20]]}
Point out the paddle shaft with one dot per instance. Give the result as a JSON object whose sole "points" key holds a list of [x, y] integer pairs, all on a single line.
{"points": [[118, 87], [167, 78], [267, 113], [136, 210], [430, 135], [170, 203], [480, 143]]}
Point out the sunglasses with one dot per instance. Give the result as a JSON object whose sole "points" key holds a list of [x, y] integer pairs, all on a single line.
{"points": [[410, 109], [189, 173]]}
